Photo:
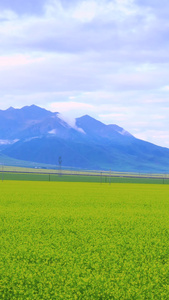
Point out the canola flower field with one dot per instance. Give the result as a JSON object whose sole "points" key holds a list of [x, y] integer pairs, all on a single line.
{"points": [[67, 240]]}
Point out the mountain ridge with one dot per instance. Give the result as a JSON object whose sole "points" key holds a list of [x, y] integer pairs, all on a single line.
{"points": [[38, 135]]}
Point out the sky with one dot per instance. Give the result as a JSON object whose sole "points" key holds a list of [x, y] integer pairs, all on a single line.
{"points": [[105, 58]]}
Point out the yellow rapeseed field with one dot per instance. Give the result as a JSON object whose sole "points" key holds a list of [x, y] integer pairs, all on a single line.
{"points": [[84, 241]]}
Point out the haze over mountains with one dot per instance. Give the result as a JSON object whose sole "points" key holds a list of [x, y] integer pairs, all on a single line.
{"points": [[35, 134]]}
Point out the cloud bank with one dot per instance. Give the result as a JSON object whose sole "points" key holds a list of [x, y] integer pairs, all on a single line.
{"points": [[106, 58]]}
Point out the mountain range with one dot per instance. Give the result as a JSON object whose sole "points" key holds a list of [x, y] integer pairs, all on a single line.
{"points": [[35, 134]]}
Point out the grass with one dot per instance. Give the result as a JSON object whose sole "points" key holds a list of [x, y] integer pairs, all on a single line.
{"points": [[37, 174], [62, 240], [26, 174]]}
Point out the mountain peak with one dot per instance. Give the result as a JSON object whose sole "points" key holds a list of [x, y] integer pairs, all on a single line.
{"points": [[10, 108], [34, 112], [87, 117], [89, 122], [33, 107]]}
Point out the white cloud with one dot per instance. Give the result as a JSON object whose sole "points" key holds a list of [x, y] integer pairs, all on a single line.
{"points": [[105, 58], [16, 60], [71, 122], [160, 138], [86, 11], [68, 106]]}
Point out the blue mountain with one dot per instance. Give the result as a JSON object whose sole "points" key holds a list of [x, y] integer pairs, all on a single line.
{"points": [[38, 135]]}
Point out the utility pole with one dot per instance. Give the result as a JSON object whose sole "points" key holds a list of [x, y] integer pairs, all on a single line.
{"points": [[60, 165], [2, 172], [101, 177]]}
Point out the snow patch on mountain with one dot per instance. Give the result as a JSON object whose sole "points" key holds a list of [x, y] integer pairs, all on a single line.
{"points": [[53, 131], [124, 132], [8, 142]]}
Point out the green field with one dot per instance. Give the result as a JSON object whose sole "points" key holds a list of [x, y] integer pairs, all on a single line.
{"points": [[67, 176], [67, 240]]}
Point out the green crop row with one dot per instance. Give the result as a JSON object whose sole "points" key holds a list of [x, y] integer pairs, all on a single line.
{"points": [[62, 240], [80, 178]]}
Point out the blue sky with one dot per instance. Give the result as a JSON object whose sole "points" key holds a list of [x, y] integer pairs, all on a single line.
{"points": [[105, 58]]}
